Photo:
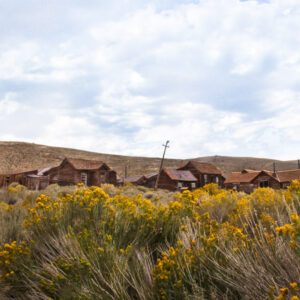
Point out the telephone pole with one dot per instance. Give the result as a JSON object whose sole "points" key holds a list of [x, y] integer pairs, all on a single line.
{"points": [[161, 163]]}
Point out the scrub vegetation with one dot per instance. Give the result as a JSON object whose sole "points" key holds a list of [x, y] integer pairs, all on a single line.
{"points": [[136, 243]]}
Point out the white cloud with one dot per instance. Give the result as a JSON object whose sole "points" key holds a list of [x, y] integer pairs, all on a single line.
{"points": [[214, 77], [8, 105]]}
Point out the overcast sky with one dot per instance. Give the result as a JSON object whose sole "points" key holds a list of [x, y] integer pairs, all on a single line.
{"points": [[122, 76]]}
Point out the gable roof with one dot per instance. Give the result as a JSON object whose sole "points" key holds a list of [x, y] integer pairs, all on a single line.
{"points": [[84, 164], [239, 177], [180, 175], [202, 167]]}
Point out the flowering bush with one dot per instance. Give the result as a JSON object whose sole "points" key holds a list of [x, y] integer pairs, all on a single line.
{"points": [[99, 243]]}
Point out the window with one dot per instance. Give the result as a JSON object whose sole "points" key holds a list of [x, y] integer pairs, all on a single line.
{"points": [[179, 184], [205, 178], [193, 185], [264, 184], [217, 179], [84, 178]]}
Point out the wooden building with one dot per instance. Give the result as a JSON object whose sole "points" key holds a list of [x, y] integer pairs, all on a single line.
{"points": [[18, 176], [176, 180], [248, 180], [75, 170], [204, 172]]}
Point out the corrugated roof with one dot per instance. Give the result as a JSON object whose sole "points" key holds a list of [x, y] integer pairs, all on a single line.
{"points": [[85, 164], [289, 175], [180, 175], [205, 168]]}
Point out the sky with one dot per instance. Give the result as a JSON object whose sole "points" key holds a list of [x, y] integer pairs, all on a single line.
{"points": [[215, 77]]}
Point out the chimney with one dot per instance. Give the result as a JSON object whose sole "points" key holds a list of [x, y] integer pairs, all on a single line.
{"points": [[181, 164]]}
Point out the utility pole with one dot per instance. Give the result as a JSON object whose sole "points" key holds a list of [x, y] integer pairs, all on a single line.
{"points": [[161, 163]]}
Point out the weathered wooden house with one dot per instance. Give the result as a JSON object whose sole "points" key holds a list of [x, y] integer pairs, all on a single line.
{"points": [[18, 176], [75, 170], [176, 180], [204, 172], [248, 180]]}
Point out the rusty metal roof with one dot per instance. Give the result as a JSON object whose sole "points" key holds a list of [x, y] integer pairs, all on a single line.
{"points": [[180, 175]]}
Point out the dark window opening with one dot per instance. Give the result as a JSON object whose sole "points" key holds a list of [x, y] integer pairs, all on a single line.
{"points": [[264, 184]]}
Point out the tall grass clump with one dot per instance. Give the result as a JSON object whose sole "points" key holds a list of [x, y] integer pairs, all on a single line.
{"points": [[112, 243]]}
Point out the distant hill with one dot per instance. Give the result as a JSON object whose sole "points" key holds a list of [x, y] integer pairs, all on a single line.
{"points": [[16, 156]]}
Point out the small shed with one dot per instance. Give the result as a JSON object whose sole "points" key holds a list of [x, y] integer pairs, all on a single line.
{"points": [[248, 180], [37, 182]]}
